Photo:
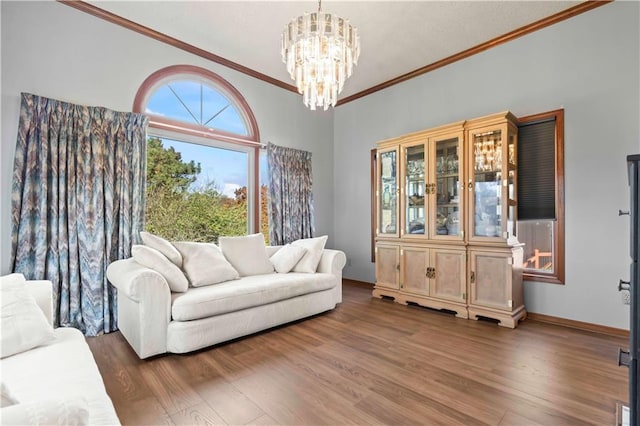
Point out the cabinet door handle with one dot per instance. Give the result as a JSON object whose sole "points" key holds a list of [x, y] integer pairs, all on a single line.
{"points": [[623, 212], [473, 277], [470, 186], [397, 267]]}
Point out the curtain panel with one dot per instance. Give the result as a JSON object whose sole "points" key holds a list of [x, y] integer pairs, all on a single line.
{"points": [[77, 203], [290, 194]]}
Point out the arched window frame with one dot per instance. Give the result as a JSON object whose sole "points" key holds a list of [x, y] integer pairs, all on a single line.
{"points": [[166, 127]]}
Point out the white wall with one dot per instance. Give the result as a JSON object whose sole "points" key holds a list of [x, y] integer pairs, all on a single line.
{"points": [[588, 65], [52, 50]]}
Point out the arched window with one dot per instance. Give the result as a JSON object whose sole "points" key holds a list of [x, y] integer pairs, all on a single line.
{"points": [[203, 156]]}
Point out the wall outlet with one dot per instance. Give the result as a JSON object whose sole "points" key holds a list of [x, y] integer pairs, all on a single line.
{"points": [[626, 298]]}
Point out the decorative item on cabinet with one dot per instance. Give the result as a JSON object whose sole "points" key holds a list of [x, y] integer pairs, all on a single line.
{"points": [[456, 249]]}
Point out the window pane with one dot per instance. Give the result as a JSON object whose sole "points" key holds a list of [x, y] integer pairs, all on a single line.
{"points": [[195, 192], [537, 235], [194, 102]]}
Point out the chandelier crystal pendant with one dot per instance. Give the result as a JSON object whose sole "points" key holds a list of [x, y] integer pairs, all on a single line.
{"points": [[320, 50]]}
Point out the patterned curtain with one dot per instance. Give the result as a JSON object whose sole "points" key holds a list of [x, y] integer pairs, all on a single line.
{"points": [[291, 199], [77, 203]]}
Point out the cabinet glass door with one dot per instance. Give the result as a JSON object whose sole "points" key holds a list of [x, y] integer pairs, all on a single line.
{"points": [[414, 190], [388, 193], [487, 161], [446, 189]]}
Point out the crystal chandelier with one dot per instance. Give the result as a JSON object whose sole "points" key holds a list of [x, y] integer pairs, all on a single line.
{"points": [[320, 50]]}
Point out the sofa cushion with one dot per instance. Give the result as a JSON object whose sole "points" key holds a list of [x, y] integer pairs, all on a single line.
{"points": [[153, 259], [287, 257], [163, 246], [205, 264], [245, 293], [247, 254], [55, 411], [63, 369], [23, 325], [6, 398], [310, 260]]}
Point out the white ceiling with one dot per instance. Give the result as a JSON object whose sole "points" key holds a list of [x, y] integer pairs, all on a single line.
{"points": [[396, 37]]}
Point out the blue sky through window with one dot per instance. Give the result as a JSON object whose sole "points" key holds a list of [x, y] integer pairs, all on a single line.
{"points": [[196, 103]]}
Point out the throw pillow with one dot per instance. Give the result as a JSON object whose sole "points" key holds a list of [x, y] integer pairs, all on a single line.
{"points": [[163, 246], [248, 254], [6, 398], [287, 257], [205, 264], [310, 260], [48, 412], [23, 325], [153, 259]]}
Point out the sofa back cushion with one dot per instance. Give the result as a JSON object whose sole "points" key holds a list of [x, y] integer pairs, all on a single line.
{"points": [[287, 257], [163, 246], [153, 259], [204, 264], [311, 259], [247, 254]]}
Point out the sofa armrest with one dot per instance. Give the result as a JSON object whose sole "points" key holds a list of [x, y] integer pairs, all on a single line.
{"points": [[332, 262], [144, 306], [42, 291]]}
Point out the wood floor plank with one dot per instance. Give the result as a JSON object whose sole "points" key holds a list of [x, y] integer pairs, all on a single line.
{"points": [[198, 415], [373, 361]]}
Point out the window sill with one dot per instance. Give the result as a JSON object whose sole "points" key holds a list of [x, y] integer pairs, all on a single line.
{"points": [[541, 278]]}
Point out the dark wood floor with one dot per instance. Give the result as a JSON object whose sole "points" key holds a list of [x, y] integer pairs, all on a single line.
{"points": [[373, 361]]}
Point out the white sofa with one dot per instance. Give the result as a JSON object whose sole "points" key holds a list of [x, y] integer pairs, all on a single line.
{"points": [[56, 382], [155, 320]]}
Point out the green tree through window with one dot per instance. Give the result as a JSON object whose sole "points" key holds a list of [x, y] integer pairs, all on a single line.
{"points": [[180, 211]]}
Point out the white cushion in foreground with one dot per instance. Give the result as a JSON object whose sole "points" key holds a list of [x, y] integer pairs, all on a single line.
{"points": [[23, 325]]}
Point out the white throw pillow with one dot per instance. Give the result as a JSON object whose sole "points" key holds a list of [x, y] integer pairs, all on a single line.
{"points": [[47, 412], [287, 257], [153, 259], [6, 398], [248, 254], [310, 260], [205, 264], [23, 325], [163, 246]]}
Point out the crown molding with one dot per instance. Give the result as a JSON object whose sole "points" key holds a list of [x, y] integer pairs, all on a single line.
{"points": [[172, 41], [164, 38], [519, 32]]}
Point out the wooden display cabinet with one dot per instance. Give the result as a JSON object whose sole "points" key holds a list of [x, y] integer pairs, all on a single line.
{"points": [[443, 194]]}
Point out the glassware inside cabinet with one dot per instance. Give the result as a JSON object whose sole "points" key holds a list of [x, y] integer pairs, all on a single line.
{"points": [[388, 193], [487, 149], [415, 190], [447, 187], [512, 185]]}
